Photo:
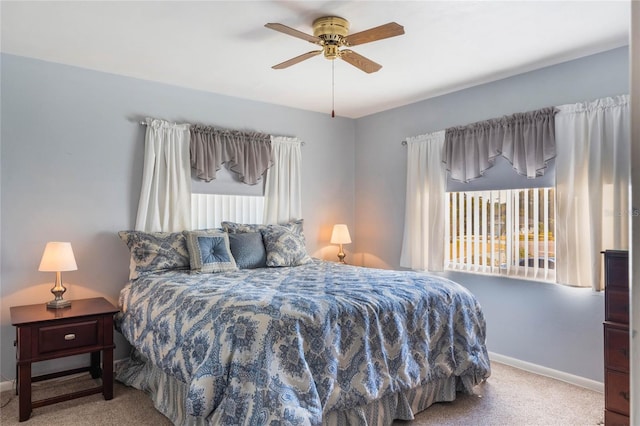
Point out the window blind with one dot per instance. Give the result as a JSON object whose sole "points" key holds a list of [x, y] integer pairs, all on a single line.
{"points": [[209, 210], [508, 232]]}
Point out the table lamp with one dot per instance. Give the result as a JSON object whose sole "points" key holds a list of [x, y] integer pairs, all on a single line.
{"points": [[58, 257], [340, 235]]}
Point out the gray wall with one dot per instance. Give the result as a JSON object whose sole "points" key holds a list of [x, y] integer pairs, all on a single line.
{"points": [[72, 152], [549, 325]]}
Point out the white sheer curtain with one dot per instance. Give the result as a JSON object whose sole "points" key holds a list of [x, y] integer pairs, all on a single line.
{"points": [[165, 197], [423, 243], [283, 185], [592, 186]]}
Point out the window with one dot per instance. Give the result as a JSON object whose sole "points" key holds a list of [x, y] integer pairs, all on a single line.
{"points": [[507, 232]]}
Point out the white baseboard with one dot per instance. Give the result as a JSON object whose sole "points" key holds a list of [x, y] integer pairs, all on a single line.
{"points": [[9, 384], [548, 372], [513, 362]]}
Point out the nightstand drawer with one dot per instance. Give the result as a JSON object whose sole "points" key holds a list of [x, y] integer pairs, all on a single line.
{"points": [[68, 336]]}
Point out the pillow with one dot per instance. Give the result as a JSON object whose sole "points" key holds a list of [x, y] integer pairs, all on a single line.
{"points": [[209, 251], [155, 251], [240, 228], [285, 245], [248, 250]]}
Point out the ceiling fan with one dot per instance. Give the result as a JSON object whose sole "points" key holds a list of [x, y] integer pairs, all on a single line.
{"points": [[332, 33]]}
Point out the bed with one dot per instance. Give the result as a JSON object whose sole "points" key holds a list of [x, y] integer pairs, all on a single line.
{"points": [[313, 343]]}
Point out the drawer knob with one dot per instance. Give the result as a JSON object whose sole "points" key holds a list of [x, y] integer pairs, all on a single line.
{"points": [[69, 336], [625, 395]]}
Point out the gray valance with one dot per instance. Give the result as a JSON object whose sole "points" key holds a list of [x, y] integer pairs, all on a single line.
{"points": [[527, 140], [245, 153]]}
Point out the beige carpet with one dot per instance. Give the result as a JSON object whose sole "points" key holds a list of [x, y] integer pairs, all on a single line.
{"points": [[510, 397]]}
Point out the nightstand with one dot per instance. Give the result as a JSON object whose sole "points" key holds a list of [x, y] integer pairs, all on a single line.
{"points": [[44, 334]]}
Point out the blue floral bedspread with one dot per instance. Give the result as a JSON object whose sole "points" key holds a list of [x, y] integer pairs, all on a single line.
{"points": [[289, 344]]}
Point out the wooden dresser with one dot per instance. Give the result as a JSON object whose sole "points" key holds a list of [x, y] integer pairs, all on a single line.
{"points": [[616, 338]]}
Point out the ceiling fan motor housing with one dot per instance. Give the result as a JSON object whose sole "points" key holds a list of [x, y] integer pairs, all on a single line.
{"points": [[332, 30]]}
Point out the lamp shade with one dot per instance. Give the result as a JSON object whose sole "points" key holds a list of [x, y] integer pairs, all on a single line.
{"points": [[340, 234], [58, 257]]}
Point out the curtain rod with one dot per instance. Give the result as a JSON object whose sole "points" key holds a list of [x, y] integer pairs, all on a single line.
{"points": [[144, 123], [403, 143]]}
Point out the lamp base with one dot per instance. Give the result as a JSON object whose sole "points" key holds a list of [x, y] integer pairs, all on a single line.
{"points": [[58, 290], [58, 304]]}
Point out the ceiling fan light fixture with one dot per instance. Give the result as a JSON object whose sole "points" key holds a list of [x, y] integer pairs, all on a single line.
{"points": [[331, 51]]}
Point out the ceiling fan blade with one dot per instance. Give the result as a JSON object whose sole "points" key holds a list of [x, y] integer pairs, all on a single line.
{"points": [[293, 32], [359, 61], [391, 29], [297, 59]]}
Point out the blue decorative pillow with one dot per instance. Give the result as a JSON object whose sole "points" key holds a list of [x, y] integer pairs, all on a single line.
{"points": [[248, 250], [285, 245], [209, 251], [155, 251]]}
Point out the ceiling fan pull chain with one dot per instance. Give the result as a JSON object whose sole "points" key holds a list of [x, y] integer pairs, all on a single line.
{"points": [[333, 89]]}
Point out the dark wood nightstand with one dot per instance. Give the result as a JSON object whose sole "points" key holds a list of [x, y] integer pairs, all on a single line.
{"points": [[43, 334]]}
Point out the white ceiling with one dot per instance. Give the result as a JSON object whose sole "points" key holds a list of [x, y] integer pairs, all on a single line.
{"points": [[223, 46]]}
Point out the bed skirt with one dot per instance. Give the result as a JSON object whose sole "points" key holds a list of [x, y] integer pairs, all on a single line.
{"points": [[169, 396]]}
